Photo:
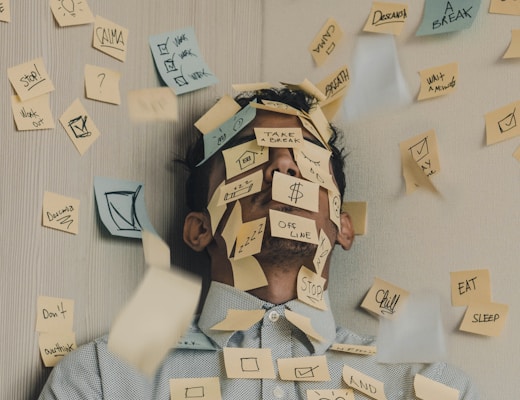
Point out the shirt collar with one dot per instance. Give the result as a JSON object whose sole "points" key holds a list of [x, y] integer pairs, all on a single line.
{"points": [[222, 297]]}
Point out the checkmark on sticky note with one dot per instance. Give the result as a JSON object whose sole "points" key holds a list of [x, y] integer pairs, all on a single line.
{"points": [[313, 368]]}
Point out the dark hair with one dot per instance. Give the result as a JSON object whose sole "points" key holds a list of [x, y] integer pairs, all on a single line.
{"points": [[197, 184]]}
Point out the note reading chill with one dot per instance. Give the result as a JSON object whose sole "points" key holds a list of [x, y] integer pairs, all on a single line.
{"points": [[385, 299]]}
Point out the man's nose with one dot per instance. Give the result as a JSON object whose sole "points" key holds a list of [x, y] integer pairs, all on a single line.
{"points": [[281, 160]]}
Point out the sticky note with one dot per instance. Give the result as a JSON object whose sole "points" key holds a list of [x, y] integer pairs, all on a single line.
{"points": [[428, 389], [55, 345], [360, 349], [326, 41], [32, 114], [312, 369], [485, 319], [508, 7], [513, 51], [60, 212], [54, 314], [289, 226], [447, 16], [30, 79], [156, 251], [279, 137], [5, 11], [110, 38], [335, 83], [313, 163], [386, 18], [296, 192], [502, 124], [180, 62], [250, 87], [321, 123], [248, 363], [79, 126], [365, 384], [249, 238], [322, 252], [244, 157], [438, 81], [216, 211], [240, 188], [308, 87], [195, 388], [303, 323], [248, 274], [311, 288], [69, 13], [385, 299], [322, 394], [148, 326], [469, 287], [239, 320], [358, 215], [153, 104], [335, 207], [516, 153], [221, 111], [102, 84], [121, 206], [276, 106], [233, 224]]}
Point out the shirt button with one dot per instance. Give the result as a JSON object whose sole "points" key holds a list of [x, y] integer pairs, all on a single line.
{"points": [[274, 316], [278, 392]]}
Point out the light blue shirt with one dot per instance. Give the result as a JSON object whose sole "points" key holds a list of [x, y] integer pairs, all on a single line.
{"points": [[92, 372]]}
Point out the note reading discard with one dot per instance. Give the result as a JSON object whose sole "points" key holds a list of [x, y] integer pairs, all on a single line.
{"points": [[485, 319], [71, 12], [502, 124], [60, 212], [248, 363], [312, 369], [438, 81], [326, 41], [32, 114], [195, 388], [102, 84], [294, 227], [54, 314], [385, 299], [30, 79], [110, 38], [79, 126], [153, 104], [386, 18], [470, 287]]}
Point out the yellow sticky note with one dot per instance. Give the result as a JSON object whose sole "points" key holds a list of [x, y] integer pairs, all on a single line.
{"points": [[148, 326], [485, 319], [326, 41], [216, 211], [55, 345], [438, 81], [248, 363], [354, 348], [428, 389], [508, 7], [79, 126], [110, 38], [156, 251], [293, 227], [54, 314], [279, 137], [296, 192], [5, 11], [154, 104], [242, 187], [335, 207], [30, 79], [322, 394], [249, 238], [244, 157], [502, 124], [276, 106], [250, 87], [248, 274], [303, 323], [365, 384], [308, 87], [516, 153], [358, 215], [320, 122], [233, 224], [60, 212], [312, 369], [420, 150], [195, 388], [386, 18], [71, 12], [32, 114], [470, 287], [221, 111], [335, 84], [311, 287], [322, 252], [385, 299], [239, 320], [313, 163], [513, 51], [102, 84]]}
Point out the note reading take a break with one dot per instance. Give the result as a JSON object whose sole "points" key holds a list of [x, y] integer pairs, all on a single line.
{"points": [[60, 212], [470, 287], [279, 137], [385, 299]]}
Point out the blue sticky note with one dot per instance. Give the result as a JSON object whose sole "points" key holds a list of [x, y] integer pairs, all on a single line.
{"points": [[441, 16], [218, 137], [121, 207], [179, 61]]}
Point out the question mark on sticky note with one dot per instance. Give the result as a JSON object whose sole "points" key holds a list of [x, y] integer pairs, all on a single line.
{"points": [[103, 75]]}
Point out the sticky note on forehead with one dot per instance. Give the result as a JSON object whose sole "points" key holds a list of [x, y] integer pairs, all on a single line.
{"points": [[223, 110], [244, 157], [279, 137]]}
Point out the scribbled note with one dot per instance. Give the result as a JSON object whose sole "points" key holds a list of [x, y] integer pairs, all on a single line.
{"points": [[79, 126], [56, 345], [5, 11], [441, 16], [335, 84], [322, 252], [179, 61], [386, 18], [311, 288], [330, 394], [385, 299], [71, 12], [102, 84], [366, 384], [30, 79], [325, 42], [32, 114], [438, 81], [153, 104], [110, 38], [60, 212], [364, 350], [313, 162], [244, 157], [503, 123], [240, 188], [195, 388]]}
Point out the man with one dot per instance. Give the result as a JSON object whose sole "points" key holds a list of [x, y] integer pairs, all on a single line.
{"points": [[291, 348]]}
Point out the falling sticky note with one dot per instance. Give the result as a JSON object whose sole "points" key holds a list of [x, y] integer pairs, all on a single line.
{"points": [[326, 41], [364, 383], [156, 251], [55, 345], [385, 299], [502, 124], [386, 18], [102, 84], [311, 288], [71, 12], [153, 104], [312, 369], [358, 215], [179, 61], [223, 110], [242, 187], [470, 287], [296, 192], [508, 7], [239, 320], [195, 388], [5, 11], [110, 38], [321, 394], [438, 81], [294, 227], [248, 363], [121, 206], [428, 389], [249, 238], [30, 79], [360, 349], [79, 126], [441, 16], [485, 319], [60, 212], [247, 274], [148, 327], [32, 114], [54, 314], [244, 157]]}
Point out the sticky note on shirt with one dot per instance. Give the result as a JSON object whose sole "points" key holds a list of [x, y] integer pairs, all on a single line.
{"points": [[438, 81], [428, 389], [503, 123], [32, 114], [102, 84], [79, 126], [365, 384], [326, 41], [294, 227], [110, 38], [385, 299], [386, 18], [54, 314], [470, 287], [296, 192], [354, 348], [30, 79], [248, 363], [195, 388], [60, 212], [311, 288], [485, 319], [312, 369]]}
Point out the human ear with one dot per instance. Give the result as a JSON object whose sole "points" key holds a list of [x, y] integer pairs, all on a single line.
{"points": [[197, 230], [345, 235]]}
